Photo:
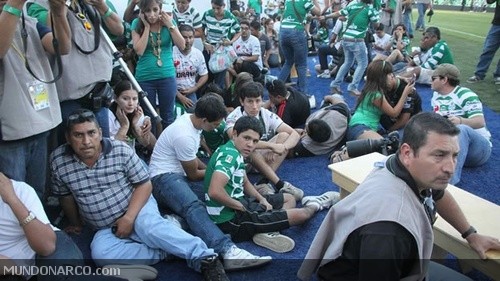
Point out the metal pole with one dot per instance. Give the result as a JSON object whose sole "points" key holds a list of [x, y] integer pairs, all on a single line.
{"points": [[118, 56]]}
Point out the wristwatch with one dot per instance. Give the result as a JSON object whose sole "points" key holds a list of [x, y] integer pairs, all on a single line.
{"points": [[469, 232], [28, 219]]}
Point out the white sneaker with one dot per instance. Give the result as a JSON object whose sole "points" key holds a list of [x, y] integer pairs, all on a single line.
{"points": [[274, 241], [236, 258], [323, 201], [497, 80], [295, 191], [325, 75]]}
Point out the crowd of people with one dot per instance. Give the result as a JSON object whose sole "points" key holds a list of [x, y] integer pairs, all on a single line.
{"points": [[181, 187]]}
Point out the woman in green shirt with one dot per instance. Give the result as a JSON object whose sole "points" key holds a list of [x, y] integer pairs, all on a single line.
{"points": [[153, 34]]}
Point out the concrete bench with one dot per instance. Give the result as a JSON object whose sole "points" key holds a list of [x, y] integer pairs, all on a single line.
{"points": [[482, 214]]}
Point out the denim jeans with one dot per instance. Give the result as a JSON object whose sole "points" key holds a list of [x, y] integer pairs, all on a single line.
{"points": [[165, 89], [323, 53], [491, 44], [353, 51], [421, 7], [407, 20], [66, 254], [173, 192], [475, 150], [26, 160], [293, 44], [152, 239]]}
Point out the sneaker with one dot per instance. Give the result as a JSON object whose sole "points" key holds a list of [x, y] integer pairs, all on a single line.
{"points": [[473, 79], [236, 258], [355, 93], [290, 189], [212, 270], [274, 241], [323, 201], [132, 271], [325, 74], [497, 80], [265, 189]]}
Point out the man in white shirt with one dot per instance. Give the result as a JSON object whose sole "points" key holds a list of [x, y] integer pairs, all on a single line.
{"points": [[191, 69], [247, 48]]}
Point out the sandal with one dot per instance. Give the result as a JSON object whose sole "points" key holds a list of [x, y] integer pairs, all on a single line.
{"points": [[339, 155]]}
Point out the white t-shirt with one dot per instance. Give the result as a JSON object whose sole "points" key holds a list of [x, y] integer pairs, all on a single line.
{"points": [[188, 67], [270, 121], [178, 142], [250, 47], [13, 242], [381, 42]]}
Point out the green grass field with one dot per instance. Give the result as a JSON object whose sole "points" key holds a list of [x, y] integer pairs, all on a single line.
{"points": [[465, 33]]}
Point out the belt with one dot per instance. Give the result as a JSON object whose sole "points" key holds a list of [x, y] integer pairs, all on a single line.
{"points": [[354, 39]]}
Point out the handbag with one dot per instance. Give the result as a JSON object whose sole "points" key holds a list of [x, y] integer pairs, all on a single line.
{"points": [[222, 58]]}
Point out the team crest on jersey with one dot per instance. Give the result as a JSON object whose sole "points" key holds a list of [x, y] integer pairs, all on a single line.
{"points": [[229, 159], [176, 63]]}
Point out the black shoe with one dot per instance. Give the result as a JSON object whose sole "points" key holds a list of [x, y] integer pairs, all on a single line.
{"points": [[212, 270]]}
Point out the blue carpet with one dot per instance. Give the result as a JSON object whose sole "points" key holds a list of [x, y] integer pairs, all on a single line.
{"points": [[313, 176]]}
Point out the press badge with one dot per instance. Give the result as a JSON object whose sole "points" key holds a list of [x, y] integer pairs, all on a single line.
{"points": [[39, 94]]}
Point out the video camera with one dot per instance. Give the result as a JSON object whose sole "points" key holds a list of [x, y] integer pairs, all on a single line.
{"points": [[386, 146]]}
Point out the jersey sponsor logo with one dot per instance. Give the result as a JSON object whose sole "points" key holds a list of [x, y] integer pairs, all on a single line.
{"points": [[228, 159]]}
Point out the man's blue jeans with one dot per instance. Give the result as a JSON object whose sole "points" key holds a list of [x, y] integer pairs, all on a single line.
{"points": [[293, 44], [26, 160], [421, 7], [165, 89], [173, 192], [407, 20], [491, 44], [152, 239], [475, 150], [66, 254], [353, 51]]}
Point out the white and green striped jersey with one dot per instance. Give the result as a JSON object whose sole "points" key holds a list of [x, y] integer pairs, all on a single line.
{"points": [[359, 24], [439, 54], [460, 102], [295, 12], [216, 30], [190, 17]]}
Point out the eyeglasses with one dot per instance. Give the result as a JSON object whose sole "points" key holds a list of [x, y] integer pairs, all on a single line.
{"points": [[80, 117], [436, 77]]}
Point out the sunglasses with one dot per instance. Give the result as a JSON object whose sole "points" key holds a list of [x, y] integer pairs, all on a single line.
{"points": [[80, 117]]}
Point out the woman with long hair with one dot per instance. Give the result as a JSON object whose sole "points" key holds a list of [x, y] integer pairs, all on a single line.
{"points": [[127, 121], [372, 103], [153, 36]]}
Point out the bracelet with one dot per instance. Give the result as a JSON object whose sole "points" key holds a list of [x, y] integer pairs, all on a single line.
{"points": [[108, 13], [12, 10], [28, 219], [469, 231], [171, 28]]}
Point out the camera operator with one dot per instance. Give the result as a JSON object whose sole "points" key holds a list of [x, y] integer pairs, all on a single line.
{"points": [[384, 228], [464, 109], [29, 108], [89, 65]]}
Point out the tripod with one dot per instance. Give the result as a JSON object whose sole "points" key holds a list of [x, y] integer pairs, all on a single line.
{"points": [[118, 56]]}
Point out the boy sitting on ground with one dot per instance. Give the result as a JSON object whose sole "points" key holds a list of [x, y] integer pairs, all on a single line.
{"points": [[275, 141], [238, 209]]}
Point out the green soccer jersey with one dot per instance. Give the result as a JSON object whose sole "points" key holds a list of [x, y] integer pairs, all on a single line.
{"points": [[295, 12], [440, 54], [227, 160], [216, 137], [367, 113], [361, 15]]}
